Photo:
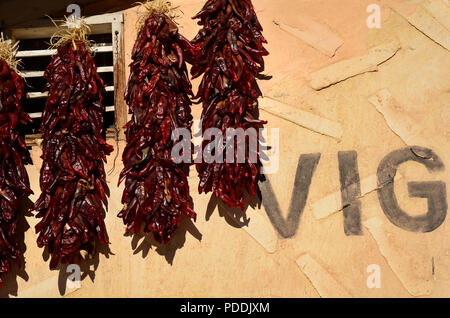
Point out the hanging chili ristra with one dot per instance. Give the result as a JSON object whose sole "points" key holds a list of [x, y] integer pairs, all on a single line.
{"points": [[14, 183], [231, 59], [156, 193], [73, 180]]}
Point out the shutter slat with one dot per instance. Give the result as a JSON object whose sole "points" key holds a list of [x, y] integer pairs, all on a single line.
{"points": [[37, 53], [108, 109]]}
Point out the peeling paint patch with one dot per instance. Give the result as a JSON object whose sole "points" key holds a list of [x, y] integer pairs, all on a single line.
{"points": [[301, 118], [440, 10], [324, 283], [429, 25], [315, 35], [346, 69], [260, 228], [47, 287]]}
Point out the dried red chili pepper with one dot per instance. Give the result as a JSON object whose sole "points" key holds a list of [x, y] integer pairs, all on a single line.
{"points": [[230, 59], [156, 194], [14, 182], [73, 179]]}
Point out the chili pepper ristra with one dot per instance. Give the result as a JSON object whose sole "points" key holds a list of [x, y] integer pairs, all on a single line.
{"points": [[156, 194], [14, 182], [73, 179], [230, 59]]}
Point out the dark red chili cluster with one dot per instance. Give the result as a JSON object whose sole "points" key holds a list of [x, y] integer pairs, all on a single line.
{"points": [[14, 183], [230, 59], [73, 180], [156, 194]]}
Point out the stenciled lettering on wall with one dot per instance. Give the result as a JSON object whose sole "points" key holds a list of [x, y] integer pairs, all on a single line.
{"points": [[433, 191]]}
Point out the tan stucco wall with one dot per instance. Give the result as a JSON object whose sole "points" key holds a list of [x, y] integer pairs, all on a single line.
{"points": [[217, 256]]}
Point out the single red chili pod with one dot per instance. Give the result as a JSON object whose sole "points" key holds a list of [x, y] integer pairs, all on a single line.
{"points": [[73, 180], [14, 182], [156, 194], [230, 54]]}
